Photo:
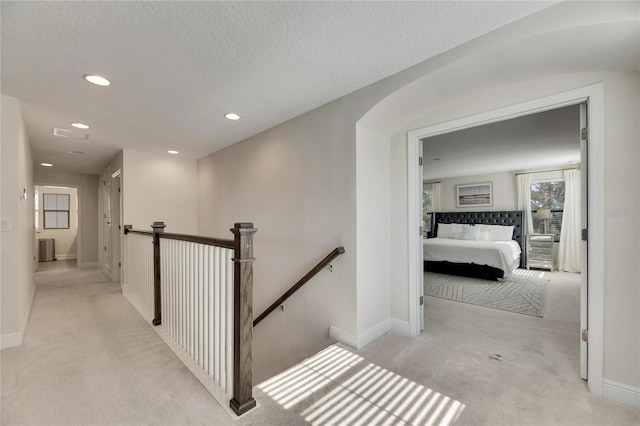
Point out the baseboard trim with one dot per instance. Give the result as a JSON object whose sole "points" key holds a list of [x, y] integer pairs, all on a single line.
{"points": [[362, 339], [107, 272], [66, 256], [342, 336], [147, 316], [400, 327], [88, 265], [373, 333], [11, 340], [16, 339], [619, 392]]}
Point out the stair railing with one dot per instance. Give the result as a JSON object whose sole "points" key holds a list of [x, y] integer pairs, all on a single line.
{"points": [[200, 291], [302, 281]]}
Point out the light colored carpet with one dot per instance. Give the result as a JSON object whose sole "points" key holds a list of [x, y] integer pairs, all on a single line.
{"points": [[57, 265], [516, 293], [89, 359]]}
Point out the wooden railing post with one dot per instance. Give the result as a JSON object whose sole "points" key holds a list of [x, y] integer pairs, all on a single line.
{"points": [[158, 227], [243, 318]]}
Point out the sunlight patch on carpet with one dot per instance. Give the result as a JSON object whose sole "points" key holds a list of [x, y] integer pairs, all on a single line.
{"points": [[368, 395], [378, 396], [302, 380]]}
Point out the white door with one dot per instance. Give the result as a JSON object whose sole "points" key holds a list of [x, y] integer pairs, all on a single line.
{"points": [[116, 230], [107, 227], [420, 256], [584, 210]]}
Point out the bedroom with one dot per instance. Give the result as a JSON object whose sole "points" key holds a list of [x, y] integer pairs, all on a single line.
{"points": [[475, 179]]}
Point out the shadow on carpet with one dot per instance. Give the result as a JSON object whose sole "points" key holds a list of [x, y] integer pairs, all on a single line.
{"points": [[516, 293]]}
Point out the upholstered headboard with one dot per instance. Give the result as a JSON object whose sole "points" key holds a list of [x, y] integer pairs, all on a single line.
{"points": [[507, 218]]}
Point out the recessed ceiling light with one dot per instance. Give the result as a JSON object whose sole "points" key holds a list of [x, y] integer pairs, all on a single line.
{"points": [[46, 164], [232, 116], [79, 126], [172, 152], [76, 152], [97, 80]]}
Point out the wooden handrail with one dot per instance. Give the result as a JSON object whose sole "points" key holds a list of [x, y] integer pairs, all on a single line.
{"points": [[323, 263], [128, 229], [218, 242]]}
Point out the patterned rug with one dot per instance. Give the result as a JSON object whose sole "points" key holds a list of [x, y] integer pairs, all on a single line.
{"points": [[516, 293]]}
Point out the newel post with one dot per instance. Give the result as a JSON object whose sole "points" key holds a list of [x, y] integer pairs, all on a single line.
{"points": [[243, 318], [158, 228]]}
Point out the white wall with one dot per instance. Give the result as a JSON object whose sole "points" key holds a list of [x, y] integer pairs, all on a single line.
{"points": [[87, 186], [296, 183], [622, 232], [159, 188], [622, 287], [505, 196], [373, 235], [16, 244], [65, 239]]}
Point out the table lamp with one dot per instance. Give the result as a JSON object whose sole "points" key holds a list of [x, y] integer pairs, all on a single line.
{"points": [[544, 215]]}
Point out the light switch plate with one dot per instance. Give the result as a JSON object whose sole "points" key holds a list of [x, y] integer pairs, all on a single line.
{"points": [[5, 224]]}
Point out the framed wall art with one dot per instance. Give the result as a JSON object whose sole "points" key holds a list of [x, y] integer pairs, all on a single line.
{"points": [[474, 195]]}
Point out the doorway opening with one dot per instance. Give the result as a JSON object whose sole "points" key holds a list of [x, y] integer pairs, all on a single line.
{"points": [[592, 307], [57, 227], [521, 177]]}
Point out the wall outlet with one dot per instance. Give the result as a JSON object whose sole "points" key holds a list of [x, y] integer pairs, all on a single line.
{"points": [[5, 224]]}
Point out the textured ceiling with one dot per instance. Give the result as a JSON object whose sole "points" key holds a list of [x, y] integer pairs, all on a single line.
{"points": [[544, 140], [177, 67]]}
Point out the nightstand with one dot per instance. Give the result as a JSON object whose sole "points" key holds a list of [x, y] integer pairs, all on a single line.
{"points": [[540, 251]]}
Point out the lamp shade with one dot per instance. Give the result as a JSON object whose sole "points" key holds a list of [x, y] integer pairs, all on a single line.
{"points": [[544, 214]]}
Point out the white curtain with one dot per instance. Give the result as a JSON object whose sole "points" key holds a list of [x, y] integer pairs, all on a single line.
{"points": [[524, 200], [570, 238], [436, 203]]}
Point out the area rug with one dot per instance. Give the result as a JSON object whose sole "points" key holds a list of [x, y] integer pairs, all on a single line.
{"points": [[516, 293]]}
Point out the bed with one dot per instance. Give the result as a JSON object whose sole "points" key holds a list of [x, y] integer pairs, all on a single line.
{"points": [[485, 245]]}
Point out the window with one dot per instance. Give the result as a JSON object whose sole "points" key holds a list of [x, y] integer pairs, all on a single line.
{"points": [[548, 195], [56, 211], [427, 208]]}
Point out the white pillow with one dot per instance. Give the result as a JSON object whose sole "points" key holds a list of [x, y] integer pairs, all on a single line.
{"points": [[498, 232], [471, 233], [445, 230], [483, 236], [451, 230]]}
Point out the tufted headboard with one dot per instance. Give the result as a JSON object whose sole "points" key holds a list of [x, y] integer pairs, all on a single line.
{"points": [[507, 218]]}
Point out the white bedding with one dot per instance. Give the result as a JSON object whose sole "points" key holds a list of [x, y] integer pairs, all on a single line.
{"points": [[504, 255]]}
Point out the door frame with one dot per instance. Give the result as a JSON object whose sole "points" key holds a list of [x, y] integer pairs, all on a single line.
{"points": [[78, 189], [106, 225], [593, 95]]}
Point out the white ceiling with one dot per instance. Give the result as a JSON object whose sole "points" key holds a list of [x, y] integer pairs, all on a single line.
{"points": [[177, 67], [545, 140]]}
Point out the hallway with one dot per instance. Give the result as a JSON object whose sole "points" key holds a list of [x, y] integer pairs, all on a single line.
{"points": [[89, 358]]}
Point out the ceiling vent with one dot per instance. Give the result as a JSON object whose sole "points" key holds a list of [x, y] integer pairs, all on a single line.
{"points": [[69, 134]]}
